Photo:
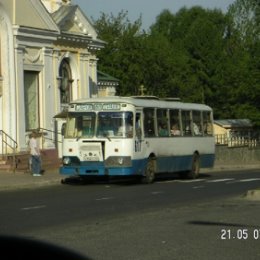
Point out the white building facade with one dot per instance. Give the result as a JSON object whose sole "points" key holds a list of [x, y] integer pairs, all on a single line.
{"points": [[47, 59]]}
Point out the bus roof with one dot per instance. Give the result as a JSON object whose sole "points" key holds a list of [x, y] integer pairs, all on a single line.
{"points": [[146, 101]]}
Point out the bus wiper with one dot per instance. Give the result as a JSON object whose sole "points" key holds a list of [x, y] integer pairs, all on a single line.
{"points": [[107, 136]]}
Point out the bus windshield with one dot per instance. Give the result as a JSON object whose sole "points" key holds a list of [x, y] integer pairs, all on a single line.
{"points": [[80, 125], [103, 124], [115, 124]]}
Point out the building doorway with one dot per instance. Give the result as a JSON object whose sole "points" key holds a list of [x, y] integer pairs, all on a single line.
{"points": [[31, 100]]}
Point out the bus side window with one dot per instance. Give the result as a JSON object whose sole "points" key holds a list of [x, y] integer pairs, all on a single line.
{"points": [[207, 123], [175, 123], [149, 130], [162, 122], [196, 123], [186, 122]]}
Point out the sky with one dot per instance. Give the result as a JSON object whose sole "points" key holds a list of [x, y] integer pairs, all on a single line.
{"points": [[148, 9]]}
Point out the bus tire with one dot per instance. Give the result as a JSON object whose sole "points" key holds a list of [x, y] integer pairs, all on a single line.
{"points": [[149, 174], [195, 167]]}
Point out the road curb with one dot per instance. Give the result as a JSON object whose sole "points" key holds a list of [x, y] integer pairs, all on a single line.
{"points": [[253, 195], [221, 168], [29, 185]]}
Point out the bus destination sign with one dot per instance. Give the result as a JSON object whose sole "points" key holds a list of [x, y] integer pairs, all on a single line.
{"points": [[97, 107]]}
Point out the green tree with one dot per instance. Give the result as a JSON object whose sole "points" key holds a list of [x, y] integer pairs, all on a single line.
{"points": [[160, 67], [246, 19], [196, 36], [196, 54], [122, 56], [245, 16]]}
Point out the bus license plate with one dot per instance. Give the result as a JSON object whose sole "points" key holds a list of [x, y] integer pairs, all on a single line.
{"points": [[87, 158]]}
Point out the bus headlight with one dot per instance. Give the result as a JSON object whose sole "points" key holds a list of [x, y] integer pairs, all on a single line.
{"points": [[118, 161], [66, 160]]}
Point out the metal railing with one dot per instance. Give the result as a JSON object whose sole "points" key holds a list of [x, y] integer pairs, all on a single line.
{"points": [[9, 147], [48, 134], [236, 141]]}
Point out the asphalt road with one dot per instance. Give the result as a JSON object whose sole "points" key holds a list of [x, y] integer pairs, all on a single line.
{"points": [[207, 218]]}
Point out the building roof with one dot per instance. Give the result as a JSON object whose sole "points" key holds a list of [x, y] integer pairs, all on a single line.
{"points": [[105, 79], [75, 27], [64, 13], [234, 123], [31, 15]]}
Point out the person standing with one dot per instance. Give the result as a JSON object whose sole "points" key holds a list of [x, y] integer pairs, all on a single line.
{"points": [[35, 155]]}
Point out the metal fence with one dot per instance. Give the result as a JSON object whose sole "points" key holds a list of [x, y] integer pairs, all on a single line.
{"points": [[237, 141]]}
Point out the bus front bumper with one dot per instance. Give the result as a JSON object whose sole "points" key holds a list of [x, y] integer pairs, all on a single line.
{"points": [[96, 171]]}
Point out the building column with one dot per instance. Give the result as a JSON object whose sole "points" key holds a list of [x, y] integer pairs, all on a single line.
{"points": [[83, 83], [47, 109], [8, 85], [56, 80], [93, 88], [22, 137]]}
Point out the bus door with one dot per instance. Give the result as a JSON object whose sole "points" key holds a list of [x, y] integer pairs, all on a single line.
{"points": [[139, 147]]}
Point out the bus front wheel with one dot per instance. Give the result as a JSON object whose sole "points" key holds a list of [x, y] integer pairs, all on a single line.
{"points": [[149, 172]]}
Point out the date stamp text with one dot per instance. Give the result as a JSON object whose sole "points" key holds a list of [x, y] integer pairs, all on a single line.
{"points": [[240, 234]]}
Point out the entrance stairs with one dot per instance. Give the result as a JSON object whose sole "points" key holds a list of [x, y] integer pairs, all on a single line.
{"points": [[19, 162]]}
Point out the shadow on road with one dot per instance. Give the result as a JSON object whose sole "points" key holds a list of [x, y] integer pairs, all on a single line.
{"points": [[223, 224], [124, 181]]}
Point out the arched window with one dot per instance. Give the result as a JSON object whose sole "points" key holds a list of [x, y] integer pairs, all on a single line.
{"points": [[65, 82]]}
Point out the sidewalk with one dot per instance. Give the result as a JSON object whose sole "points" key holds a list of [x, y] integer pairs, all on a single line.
{"points": [[20, 180]]}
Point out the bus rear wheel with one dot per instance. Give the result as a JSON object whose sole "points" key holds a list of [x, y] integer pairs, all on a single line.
{"points": [[149, 172], [195, 167]]}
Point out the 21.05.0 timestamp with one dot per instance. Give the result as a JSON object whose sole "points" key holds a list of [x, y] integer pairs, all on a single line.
{"points": [[240, 234]]}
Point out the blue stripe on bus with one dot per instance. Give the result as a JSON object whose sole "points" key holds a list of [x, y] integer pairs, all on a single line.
{"points": [[183, 163], [164, 164]]}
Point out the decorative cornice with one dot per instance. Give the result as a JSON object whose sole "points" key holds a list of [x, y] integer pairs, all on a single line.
{"points": [[35, 33], [82, 39], [107, 84]]}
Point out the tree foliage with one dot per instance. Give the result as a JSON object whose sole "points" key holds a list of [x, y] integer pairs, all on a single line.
{"points": [[197, 54], [246, 19], [122, 56], [245, 22]]}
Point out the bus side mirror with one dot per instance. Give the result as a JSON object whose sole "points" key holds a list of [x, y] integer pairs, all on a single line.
{"points": [[63, 128]]}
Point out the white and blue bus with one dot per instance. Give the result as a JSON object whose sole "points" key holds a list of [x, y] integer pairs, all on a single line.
{"points": [[137, 136]]}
